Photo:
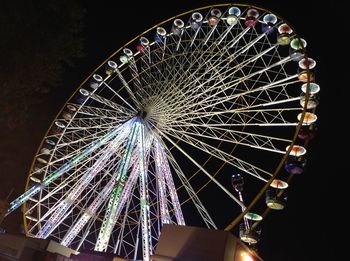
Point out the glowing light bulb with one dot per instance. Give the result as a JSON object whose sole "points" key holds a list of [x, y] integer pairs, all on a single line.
{"points": [[246, 257]]}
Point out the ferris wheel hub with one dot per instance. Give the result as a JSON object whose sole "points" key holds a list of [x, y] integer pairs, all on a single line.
{"points": [[142, 114]]}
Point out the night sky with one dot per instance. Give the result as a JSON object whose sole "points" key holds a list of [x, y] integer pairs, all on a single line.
{"points": [[286, 235]]}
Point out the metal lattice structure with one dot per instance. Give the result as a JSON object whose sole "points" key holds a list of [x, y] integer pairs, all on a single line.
{"points": [[152, 129]]}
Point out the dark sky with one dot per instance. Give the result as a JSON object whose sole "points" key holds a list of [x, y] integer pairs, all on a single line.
{"points": [[287, 235]]}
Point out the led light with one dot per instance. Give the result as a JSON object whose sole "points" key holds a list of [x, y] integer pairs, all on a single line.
{"points": [[253, 216], [232, 20], [313, 88], [234, 11], [297, 150], [161, 31], [279, 184], [297, 43], [309, 118], [246, 257], [284, 29]]}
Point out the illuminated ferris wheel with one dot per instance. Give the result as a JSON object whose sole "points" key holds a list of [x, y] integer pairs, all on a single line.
{"points": [[163, 124]]}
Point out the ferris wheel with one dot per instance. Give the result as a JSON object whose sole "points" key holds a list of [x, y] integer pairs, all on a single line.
{"points": [[162, 130]]}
